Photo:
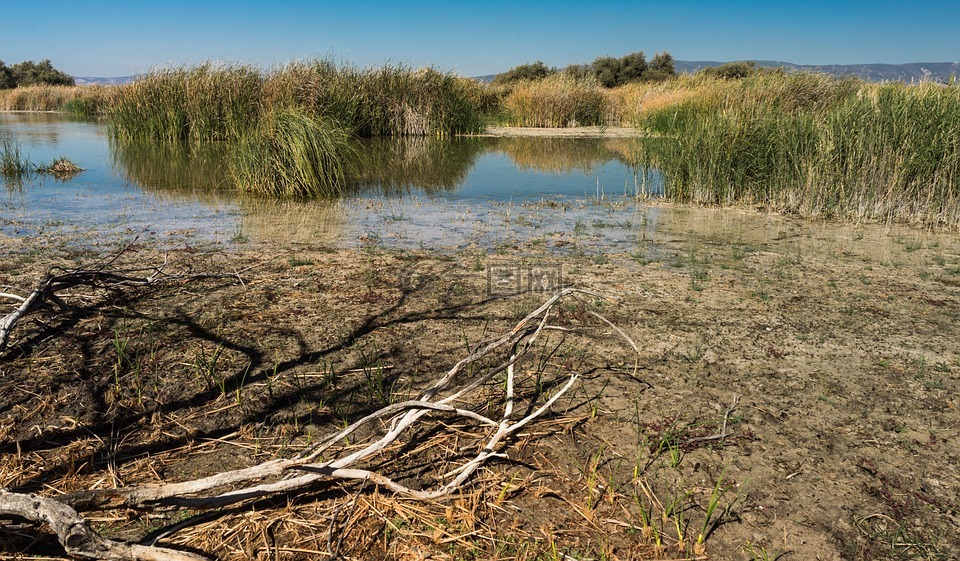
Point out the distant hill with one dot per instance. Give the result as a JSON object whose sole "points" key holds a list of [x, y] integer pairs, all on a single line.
{"points": [[87, 80], [911, 72]]}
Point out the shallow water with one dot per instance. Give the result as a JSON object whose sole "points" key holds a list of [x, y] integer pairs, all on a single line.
{"points": [[558, 195], [100, 201]]}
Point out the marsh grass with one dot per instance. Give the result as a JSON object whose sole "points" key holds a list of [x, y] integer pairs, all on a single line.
{"points": [[294, 155], [557, 101], [13, 163], [289, 130], [203, 103], [15, 166], [213, 102], [77, 100], [813, 146]]}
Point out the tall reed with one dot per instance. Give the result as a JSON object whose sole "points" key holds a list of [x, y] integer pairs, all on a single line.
{"points": [[225, 102], [391, 100], [293, 155], [13, 164], [556, 101], [814, 146], [200, 104], [79, 100]]}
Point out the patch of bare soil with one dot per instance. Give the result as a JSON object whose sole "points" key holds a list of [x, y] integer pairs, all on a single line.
{"points": [[784, 404]]}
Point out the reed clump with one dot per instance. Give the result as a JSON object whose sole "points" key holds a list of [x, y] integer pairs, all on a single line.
{"points": [[560, 100], [811, 145], [13, 163], [77, 100], [226, 102], [289, 129], [293, 155], [199, 104], [15, 166]]}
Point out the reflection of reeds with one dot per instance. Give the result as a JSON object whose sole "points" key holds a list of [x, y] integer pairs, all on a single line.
{"points": [[555, 155], [385, 164], [428, 163], [173, 168]]}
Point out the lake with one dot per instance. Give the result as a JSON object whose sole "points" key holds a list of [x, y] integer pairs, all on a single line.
{"points": [[582, 195]]}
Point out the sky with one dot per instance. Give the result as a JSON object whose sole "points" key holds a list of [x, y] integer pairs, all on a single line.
{"points": [[111, 38]]}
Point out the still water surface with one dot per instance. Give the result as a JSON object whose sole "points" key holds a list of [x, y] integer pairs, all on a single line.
{"points": [[416, 192], [564, 195]]}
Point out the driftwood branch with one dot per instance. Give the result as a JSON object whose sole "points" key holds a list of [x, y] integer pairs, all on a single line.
{"points": [[76, 536], [310, 467]]}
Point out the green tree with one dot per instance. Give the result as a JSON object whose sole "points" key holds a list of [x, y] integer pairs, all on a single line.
{"points": [[535, 71], [661, 67], [578, 71], [632, 68], [6, 77], [29, 73], [607, 69], [732, 70], [612, 72]]}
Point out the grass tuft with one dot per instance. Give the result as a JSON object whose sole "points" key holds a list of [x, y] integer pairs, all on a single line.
{"points": [[293, 155]]}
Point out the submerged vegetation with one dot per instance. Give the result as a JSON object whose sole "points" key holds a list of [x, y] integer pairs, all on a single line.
{"points": [[15, 165]]}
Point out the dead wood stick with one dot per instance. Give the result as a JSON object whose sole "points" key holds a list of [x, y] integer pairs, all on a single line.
{"points": [[75, 535], [405, 415], [299, 473]]}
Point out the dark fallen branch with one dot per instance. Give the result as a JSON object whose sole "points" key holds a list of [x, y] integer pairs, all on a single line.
{"points": [[56, 281]]}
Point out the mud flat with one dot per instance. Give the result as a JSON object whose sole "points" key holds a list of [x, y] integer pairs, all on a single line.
{"points": [[803, 378]]}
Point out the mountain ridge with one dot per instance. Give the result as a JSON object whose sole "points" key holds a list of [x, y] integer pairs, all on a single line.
{"points": [[875, 72]]}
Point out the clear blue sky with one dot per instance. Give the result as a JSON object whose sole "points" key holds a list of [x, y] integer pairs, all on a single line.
{"points": [[114, 38]]}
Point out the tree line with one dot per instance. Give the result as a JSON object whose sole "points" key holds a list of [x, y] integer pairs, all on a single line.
{"points": [[29, 73], [609, 71]]}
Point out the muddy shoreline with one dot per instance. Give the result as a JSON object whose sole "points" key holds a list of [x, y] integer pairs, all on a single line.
{"points": [[816, 385]]}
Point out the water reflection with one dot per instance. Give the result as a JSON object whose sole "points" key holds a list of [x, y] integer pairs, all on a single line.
{"points": [[429, 164], [555, 155], [563, 195], [174, 169]]}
